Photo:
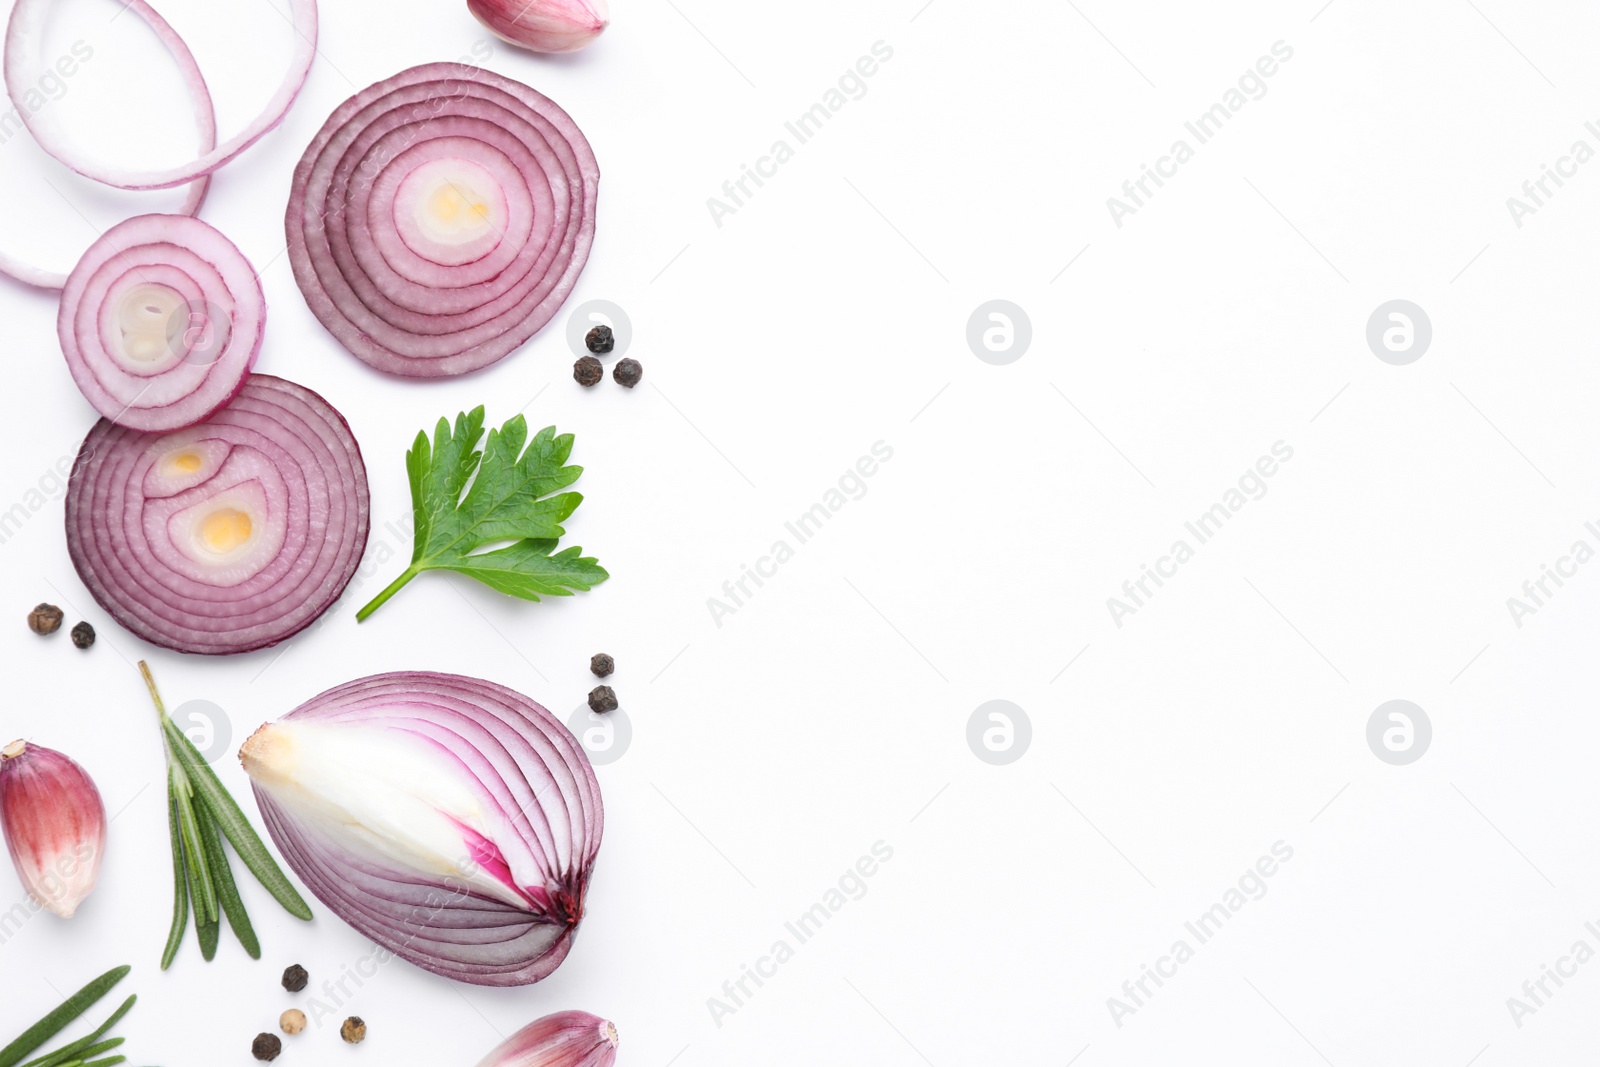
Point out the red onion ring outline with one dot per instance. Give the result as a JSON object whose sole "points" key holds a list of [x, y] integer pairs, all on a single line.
{"points": [[173, 238], [205, 115], [497, 733], [331, 253], [26, 26], [116, 558]]}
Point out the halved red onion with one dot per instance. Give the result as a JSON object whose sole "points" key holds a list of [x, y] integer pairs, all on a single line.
{"points": [[228, 536], [22, 56], [25, 64], [161, 321], [451, 820], [440, 218]]}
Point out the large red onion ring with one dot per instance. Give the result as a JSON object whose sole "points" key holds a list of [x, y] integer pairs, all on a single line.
{"points": [[24, 57], [227, 536], [205, 115], [350, 785], [161, 321], [440, 218]]}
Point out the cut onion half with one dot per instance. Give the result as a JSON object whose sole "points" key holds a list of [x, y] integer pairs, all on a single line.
{"points": [[227, 536], [25, 63], [20, 82], [161, 322], [440, 218], [453, 821]]}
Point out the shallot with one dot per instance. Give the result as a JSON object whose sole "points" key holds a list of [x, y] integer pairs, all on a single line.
{"points": [[565, 1039], [543, 25], [54, 823]]}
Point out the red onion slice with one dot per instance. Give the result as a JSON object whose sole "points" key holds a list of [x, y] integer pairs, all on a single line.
{"points": [[24, 63], [440, 218], [205, 115], [227, 536], [453, 821], [160, 322]]}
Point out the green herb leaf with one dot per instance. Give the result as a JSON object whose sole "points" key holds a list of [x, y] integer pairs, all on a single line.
{"points": [[227, 891], [69, 1009], [526, 569], [514, 497], [73, 1054], [180, 881], [220, 805], [201, 887], [208, 934], [81, 1047], [109, 1061]]}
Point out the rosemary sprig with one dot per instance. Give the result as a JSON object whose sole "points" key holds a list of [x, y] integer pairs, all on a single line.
{"points": [[201, 813], [74, 1052], [180, 883]]}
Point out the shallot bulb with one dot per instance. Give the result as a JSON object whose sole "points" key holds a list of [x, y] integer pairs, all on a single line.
{"points": [[54, 823], [565, 1039], [543, 25]]}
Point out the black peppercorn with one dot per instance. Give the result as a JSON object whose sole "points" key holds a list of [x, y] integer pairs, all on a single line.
{"points": [[602, 698], [602, 665], [600, 339], [266, 1047], [354, 1030], [295, 978], [588, 371], [44, 619], [83, 635], [627, 372]]}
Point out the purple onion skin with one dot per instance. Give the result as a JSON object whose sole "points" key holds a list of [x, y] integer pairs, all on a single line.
{"points": [[446, 928]]}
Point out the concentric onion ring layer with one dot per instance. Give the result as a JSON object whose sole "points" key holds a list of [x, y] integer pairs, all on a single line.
{"points": [[160, 322], [533, 768], [227, 536], [440, 218]]}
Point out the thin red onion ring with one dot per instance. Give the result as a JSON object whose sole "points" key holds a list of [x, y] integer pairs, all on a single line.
{"points": [[528, 771], [160, 322], [440, 218], [205, 117], [23, 55], [228, 536]]}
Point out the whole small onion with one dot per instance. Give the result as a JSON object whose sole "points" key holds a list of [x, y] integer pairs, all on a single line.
{"points": [[54, 823], [543, 25], [565, 1039], [451, 820]]}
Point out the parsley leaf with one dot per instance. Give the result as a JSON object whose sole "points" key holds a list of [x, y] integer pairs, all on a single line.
{"points": [[514, 497]]}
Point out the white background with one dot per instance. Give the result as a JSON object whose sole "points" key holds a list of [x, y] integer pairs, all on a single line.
{"points": [[830, 711]]}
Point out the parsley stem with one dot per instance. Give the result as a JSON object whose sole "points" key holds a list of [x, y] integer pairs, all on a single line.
{"points": [[393, 588]]}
